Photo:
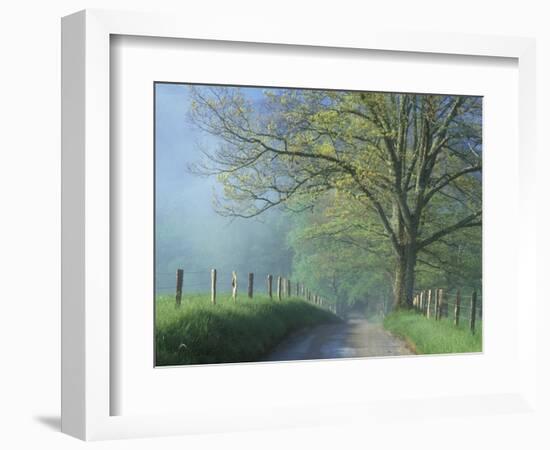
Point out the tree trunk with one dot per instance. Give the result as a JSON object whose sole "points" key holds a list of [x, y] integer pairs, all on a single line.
{"points": [[411, 254], [405, 277], [399, 282]]}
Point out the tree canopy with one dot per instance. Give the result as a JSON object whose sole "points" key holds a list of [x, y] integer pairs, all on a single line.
{"points": [[383, 182]]}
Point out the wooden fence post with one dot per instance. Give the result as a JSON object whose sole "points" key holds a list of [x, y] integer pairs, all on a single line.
{"points": [[179, 286], [429, 305], [279, 293], [250, 285], [425, 309], [213, 276], [473, 312], [457, 308], [444, 308], [234, 285], [270, 286]]}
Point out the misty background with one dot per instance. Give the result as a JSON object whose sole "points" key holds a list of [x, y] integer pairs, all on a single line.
{"points": [[189, 234]]}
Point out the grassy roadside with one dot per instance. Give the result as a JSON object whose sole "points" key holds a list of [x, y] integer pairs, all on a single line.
{"points": [[428, 336], [201, 333]]}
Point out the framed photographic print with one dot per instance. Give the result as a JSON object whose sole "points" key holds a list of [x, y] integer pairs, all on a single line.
{"points": [[247, 208], [367, 196]]}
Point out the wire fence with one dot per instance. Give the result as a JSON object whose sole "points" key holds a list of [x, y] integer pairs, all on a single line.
{"points": [[214, 281], [438, 303], [432, 303], [199, 281]]}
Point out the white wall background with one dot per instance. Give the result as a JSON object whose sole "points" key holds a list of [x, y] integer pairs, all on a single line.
{"points": [[29, 221]]}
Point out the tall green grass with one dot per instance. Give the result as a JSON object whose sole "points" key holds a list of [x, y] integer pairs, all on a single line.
{"points": [[201, 333], [429, 336]]}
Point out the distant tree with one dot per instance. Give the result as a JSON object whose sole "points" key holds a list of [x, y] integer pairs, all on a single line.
{"points": [[411, 161], [339, 253]]}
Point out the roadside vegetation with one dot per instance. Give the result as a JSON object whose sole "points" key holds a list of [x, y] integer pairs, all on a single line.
{"points": [[428, 336], [363, 197], [199, 332]]}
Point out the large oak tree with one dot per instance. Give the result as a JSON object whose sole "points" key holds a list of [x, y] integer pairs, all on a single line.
{"points": [[408, 164]]}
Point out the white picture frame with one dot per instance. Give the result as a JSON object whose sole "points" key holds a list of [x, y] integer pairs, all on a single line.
{"points": [[86, 220]]}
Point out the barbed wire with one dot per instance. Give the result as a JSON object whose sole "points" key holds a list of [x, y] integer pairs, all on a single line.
{"points": [[465, 305], [218, 271]]}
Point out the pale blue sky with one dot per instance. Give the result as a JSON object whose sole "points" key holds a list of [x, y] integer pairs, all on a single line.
{"points": [[189, 233]]}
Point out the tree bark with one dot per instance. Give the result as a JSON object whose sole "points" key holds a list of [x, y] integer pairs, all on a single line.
{"points": [[399, 282], [410, 254], [405, 276]]}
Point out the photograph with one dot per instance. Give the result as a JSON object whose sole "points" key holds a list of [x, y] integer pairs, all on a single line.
{"points": [[297, 223], [267, 226]]}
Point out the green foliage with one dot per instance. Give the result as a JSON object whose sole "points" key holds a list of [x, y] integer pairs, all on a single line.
{"points": [[201, 333], [392, 180], [434, 337], [338, 250], [453, 263]]}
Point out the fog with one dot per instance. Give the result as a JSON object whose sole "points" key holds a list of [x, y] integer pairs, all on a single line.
{"points": [[189, 234]]}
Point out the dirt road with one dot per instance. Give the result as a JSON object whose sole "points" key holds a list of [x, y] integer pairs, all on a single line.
{"points": [[354, 338]]}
